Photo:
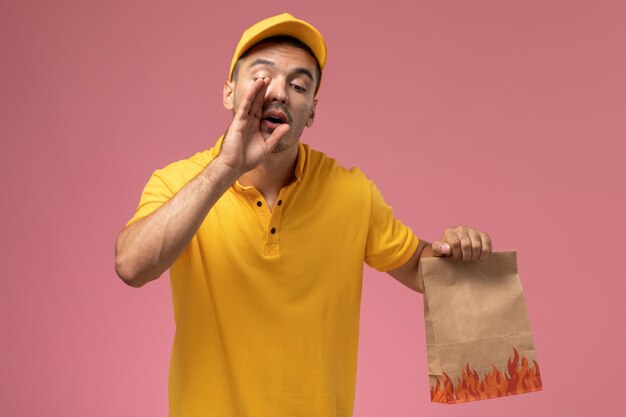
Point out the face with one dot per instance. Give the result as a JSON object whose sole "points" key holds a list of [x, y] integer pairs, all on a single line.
{"points": [[290, 94]]}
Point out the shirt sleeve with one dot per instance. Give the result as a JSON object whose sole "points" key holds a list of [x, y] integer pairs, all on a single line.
{"points": [[390, 244], [156, 193], [164, 183]]}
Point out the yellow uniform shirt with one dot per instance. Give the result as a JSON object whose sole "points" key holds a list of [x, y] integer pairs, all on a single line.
{"points": [[266, 302]]}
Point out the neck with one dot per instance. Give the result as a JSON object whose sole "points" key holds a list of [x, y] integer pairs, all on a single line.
{"points": [[274, 173]]}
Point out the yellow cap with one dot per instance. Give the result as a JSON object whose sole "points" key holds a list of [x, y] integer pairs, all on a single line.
{"points": [[282, 24]]}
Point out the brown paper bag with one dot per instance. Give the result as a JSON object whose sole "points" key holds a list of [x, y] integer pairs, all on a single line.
{"points": [[477, 331]]}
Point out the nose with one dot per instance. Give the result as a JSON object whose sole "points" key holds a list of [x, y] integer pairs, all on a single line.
{"points": [[276, 91]]}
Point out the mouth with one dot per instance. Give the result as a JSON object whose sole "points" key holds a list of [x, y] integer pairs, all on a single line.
{"points": [[274, 117], [271, 119]]}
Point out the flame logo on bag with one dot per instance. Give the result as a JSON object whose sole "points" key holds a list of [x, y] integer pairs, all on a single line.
{"points": [[470, 387]]}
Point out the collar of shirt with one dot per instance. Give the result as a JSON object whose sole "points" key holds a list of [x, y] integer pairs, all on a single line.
{"points": [[299, 164]]}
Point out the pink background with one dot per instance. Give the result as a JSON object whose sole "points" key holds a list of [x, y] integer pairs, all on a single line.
{"points": [[505, 115]]}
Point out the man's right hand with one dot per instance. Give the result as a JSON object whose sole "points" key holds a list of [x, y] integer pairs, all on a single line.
{"points": [[245, 146]]}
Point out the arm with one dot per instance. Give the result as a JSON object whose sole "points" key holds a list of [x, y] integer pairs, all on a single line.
{"points": [[462, 243], [147, 248]]}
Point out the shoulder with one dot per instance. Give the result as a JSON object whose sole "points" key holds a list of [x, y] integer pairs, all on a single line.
{"points": [[177, 174], [345, 187], [323, 167]]}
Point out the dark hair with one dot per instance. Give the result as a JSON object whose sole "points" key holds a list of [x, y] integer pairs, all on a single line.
{"points": [[281, 39]]}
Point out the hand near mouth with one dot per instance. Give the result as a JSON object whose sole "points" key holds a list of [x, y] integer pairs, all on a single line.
{"points": [[245, 146]]}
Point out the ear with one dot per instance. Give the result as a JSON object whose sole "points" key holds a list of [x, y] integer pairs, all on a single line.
{"points": [[309, 122], [229, 95]]}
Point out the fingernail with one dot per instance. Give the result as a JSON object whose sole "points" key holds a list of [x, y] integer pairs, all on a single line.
{"points": [[445, 247]]}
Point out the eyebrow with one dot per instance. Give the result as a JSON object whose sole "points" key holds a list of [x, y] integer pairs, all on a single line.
{"points": [[298, 70], [304, 71], [262, 61]]}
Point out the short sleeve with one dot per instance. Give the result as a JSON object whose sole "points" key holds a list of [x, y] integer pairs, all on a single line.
{"points": [[154, 195], [390, 244], [164, 183]]}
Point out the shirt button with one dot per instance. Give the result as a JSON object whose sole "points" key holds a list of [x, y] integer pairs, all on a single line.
{"points": [[258, 203], [273, 230], [280, 202]]}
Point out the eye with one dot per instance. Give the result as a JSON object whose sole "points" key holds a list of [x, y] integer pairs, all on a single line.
{"points": [[298, 88]]}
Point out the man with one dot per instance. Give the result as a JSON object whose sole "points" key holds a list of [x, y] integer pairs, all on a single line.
{"points": [[265, 239]]}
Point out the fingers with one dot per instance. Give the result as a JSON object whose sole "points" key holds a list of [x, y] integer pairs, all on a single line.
{"points": [[467, 244], [441, 248], [252, 104], [276, 136], [476, 245], [256, 109], [452, 237], [486, 245]]}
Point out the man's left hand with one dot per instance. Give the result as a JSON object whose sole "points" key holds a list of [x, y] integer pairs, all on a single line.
{"points": [[464, 243]]}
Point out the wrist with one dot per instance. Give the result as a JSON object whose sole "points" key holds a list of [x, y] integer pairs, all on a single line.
{"points": [[425, 249], [225, 171]]}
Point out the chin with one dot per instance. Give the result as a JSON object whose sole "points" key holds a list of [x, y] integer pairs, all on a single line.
{"points": [[279, 148], [283, 146]]}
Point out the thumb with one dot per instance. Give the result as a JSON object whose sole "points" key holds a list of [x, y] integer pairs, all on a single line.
{"points": [[276, 136], [441, 248]]}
